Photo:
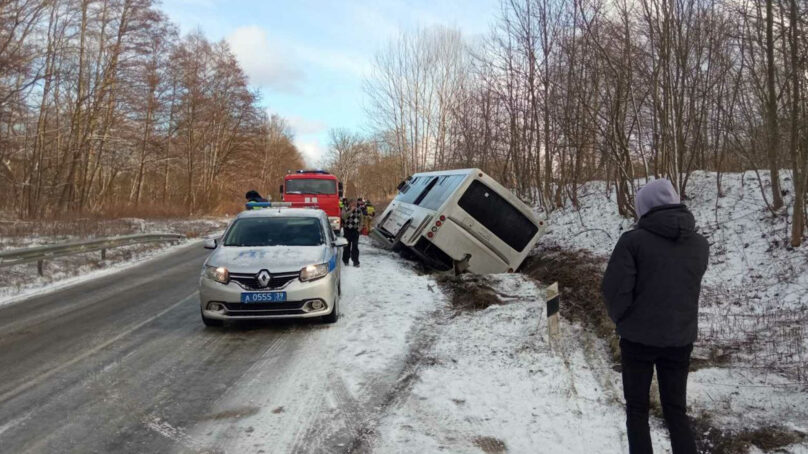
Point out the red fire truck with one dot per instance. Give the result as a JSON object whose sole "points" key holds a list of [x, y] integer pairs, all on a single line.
{"points": [[316, 187]]}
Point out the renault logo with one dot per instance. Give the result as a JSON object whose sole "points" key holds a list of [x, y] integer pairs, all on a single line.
{"points": [[263, 278]]}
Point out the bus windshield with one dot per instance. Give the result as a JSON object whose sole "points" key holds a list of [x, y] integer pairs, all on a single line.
{"points": [[311, 186], [413, 189], [443, 187], [497, 215], [430, 191]]}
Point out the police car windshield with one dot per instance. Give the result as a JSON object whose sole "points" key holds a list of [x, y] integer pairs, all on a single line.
{"points": [[311, 186], [274, 231]]}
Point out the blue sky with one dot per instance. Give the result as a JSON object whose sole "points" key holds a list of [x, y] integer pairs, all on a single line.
{"points": [[308, 57]]}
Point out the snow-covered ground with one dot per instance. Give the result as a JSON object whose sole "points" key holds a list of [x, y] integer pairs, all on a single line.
{"points": [[404, 371], [22, 280], [494, 383], [754, 307], [330, 397]]}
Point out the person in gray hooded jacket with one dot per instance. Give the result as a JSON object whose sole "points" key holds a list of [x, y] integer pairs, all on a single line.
{"points": [[651, 287]]}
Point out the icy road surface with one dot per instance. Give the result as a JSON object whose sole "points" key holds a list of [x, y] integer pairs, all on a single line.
{"points": [[124, 364]]}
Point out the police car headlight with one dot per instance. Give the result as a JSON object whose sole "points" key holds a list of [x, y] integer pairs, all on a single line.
{"points": [[217, 273], [313, 272]]}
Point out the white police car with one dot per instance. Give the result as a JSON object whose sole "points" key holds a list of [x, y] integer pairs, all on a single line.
{"points": [[273, 263]]}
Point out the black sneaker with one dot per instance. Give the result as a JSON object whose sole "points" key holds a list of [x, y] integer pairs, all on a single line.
{"points": [[345, 263], [356, 265]]}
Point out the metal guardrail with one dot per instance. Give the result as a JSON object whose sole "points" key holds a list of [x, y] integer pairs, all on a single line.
{"points": [[39, 254]]}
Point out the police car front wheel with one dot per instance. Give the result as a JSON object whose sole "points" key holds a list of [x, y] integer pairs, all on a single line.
{"points": [[334, 315]]}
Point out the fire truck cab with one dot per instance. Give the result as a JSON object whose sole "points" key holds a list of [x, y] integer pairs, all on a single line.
{"points": [[314, 188]]}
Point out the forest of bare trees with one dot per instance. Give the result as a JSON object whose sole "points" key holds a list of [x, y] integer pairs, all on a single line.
{"points": [[104, 107], [565, 91]]}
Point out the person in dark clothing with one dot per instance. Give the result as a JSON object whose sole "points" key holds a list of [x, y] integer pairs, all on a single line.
{"points": [[254, 196], [651, 287], [351, 223]]}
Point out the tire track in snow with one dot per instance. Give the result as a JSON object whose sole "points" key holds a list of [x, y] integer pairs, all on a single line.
{"points": [[350, 424], [424, 338]]}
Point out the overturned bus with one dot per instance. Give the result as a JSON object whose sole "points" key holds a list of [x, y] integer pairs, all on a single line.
{"points": [[461, 219]]}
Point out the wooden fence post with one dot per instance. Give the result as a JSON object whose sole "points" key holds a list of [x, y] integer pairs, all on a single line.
{"points": [[553, 302]]}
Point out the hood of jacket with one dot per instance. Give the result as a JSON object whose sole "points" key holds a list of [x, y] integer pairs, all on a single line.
{"points": [[672, 221], [656, 193]]}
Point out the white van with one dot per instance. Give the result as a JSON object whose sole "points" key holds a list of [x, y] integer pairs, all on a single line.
{"points": [[461, 218]]}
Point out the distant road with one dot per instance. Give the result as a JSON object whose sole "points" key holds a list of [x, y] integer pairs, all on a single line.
{"points": [[124, 364]]}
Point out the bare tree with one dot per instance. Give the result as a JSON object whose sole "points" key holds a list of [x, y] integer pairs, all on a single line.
{"points": [[798, 137], [103, 107], [416, 83], [346, 150]]}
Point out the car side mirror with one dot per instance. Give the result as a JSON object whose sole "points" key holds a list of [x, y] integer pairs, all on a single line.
{"points": [[210, 243], [340, 242], [281, 189], [340, 190]]}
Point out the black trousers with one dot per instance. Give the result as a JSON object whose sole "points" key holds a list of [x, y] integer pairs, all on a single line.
{"points": [[638, 368], [352, 250]]}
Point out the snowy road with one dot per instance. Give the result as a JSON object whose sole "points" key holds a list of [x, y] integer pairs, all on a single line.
{"points": [[123, 364]]}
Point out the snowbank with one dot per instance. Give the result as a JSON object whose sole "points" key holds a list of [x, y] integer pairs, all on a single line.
{"points": [[754, 309]]}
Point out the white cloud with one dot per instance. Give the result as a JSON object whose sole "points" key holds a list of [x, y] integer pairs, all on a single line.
{"points": [[268, 60], [264, 61], [312, 150], [303, 126], [334, 60]]}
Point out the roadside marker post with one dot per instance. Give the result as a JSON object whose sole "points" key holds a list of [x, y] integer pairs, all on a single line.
{"points": [[553, 302]]}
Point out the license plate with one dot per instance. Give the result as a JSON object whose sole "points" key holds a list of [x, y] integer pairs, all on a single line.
{"points": [[263, 297]]}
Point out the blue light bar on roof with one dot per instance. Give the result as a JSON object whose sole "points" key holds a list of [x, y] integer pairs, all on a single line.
{"points": [[257, 205]]}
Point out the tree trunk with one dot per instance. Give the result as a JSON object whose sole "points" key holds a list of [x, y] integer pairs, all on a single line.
{"points": [[798, 157], [773, 132]]}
